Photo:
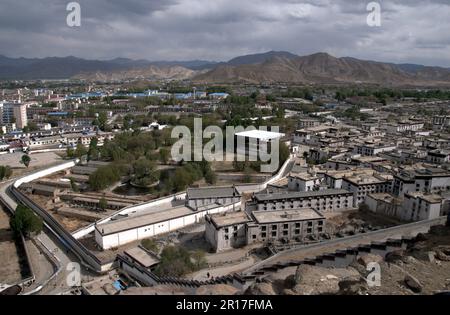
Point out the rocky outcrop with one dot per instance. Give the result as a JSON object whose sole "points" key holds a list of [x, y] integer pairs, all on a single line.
{"points": [[413, 284], [313, 280], [263, 288]]}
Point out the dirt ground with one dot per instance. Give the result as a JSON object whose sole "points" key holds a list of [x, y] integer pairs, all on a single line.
{"points": [[38, 160], [426, 261], [13, 264], [354, 220], [434, 276]]}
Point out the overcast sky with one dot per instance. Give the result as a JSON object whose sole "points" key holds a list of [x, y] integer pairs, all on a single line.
{"points": [[416, 31]]}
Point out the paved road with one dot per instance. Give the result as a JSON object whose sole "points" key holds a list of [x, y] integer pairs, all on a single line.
{"points": [[223, 270], [53, 245]]}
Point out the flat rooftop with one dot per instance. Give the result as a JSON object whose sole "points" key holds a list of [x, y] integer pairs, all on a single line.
{"points": [[303, 176], [142, 220], [230, 218], [430, 198], [301, 194], [212, 192], [142, 257], [364, 179], [264, 217], [260, 134]]}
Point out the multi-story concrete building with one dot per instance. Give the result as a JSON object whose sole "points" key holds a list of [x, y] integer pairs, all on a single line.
{"points": [[418, 206], [14, 113], [308, 122], [236, 229], [328, 200], [404, 126], [293, 224], [364, 183], [438, 156], [373, 149], [441, 122], [20, 115], [226, 231], [385, 204], [303, 182], [429, 180]]}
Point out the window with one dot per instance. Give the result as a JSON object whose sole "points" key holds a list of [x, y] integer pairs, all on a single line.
{"points": [[320, 229], [263, 228], [286, 226], [235, 234], [309, 230], [274, 233], [263, 235], [226, 237], [297, 225], [254, 237], [285, 233], [235, 227], [274, 227], [320, 222], [309, 223], [226, 230], [297, 231]]}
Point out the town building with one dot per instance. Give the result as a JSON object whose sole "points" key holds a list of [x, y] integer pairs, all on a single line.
{"points": [[227, 231], [286, 225], [205, 196], [363, 183], [420, 179], [418, 206], [371, 149], [328, 200], [237, 229], [303, 182]]}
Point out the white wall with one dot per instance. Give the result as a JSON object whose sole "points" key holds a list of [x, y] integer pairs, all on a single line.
{"points": [[122, 238]]}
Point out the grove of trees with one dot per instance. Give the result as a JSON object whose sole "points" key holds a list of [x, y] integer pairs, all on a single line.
{"points": [[25, 221]]}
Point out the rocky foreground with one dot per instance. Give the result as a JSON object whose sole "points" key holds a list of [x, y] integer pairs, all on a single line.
{"points": [[424, 268]]}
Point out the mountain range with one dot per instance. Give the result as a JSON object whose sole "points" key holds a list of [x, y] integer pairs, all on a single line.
{"points": [[270, 67]]}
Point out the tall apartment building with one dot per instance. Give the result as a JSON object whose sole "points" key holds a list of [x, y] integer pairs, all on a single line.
{"points": [[20, 115], [14, 113]]}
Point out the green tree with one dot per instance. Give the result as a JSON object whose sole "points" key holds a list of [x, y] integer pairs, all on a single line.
{"points": [[80, 151], [2, 172], [164, 155], [144, 172], [25, 160], [150, 244], [25, 221], [104, 177], [211, 177], [103, 204], [70, 152], [74, 185], [93, 149], [284, 153], [102, 121], [175, 262], [8, 171], [199, 258]]}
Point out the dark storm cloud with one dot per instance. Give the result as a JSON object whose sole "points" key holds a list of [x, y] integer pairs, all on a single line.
{"points": [[411, 31]]}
